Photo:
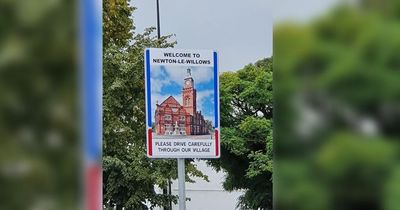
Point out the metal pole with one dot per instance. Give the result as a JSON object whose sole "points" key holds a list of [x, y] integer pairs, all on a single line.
{"points": [[158, 19], [169, 192], [158, 36], [181, 183]]}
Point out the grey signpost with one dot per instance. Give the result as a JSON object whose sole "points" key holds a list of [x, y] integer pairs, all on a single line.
{"points": [[181, 183]]}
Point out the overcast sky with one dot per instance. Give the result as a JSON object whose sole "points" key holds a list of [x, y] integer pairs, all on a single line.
{"points": [[241, 31]]}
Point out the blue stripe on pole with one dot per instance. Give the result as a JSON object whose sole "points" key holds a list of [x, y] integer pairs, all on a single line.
{"points": [[91, 51], [216, 101], [148, 88]]}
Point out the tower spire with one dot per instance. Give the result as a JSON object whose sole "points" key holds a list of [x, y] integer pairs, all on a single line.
{"points": [[189, 93]]}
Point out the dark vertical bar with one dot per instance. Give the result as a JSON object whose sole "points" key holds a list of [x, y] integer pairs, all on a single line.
{"points": [[169, 192], [158, 19]]}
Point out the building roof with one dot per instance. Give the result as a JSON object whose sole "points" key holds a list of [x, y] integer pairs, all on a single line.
{"points": [[170, 100]]}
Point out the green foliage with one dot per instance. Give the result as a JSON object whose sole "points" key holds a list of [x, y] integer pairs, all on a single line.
{"points": [[352, 167], [39, 122], [298, 184], [129, 177], [362, 155], [246, 121], [117, 22], [392, 191], [341, 71]]}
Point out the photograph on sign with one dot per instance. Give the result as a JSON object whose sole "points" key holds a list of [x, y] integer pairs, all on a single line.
{"points": [[182, 103]]}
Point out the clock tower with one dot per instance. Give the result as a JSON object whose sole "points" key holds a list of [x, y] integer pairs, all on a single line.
{"points": [[189, 93]]}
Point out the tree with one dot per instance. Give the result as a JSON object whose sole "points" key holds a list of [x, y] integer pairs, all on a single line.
{"points": [[39, 123], [246, 123], [209, 126], [117, 23], [129, 177], [337, 87]]}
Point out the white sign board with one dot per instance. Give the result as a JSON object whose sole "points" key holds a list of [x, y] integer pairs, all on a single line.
{"points": [[182, 103]]}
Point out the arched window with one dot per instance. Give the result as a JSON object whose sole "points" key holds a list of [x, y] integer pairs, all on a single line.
{"points": [[187, 101]]}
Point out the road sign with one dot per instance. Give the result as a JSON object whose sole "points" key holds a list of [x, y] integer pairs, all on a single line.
{"points": [[182, 103]]}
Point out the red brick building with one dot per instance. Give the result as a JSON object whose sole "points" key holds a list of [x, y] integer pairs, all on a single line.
{"points": [[172, 118]]}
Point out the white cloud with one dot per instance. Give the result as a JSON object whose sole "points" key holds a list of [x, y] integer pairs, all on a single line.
{"points": [[158, 84], [200, 74]]}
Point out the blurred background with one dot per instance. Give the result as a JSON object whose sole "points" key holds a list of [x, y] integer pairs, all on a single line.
{"points": [[337, 115], [40, 152]]}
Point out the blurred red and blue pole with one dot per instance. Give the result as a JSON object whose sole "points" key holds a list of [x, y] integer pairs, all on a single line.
{"points": [[91, 78]]}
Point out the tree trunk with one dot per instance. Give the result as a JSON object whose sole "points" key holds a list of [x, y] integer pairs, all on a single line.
{"points": [[119, 207], [165, 192]]}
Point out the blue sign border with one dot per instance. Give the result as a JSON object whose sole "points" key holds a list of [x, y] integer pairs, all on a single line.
{"points": [[148, 88]]}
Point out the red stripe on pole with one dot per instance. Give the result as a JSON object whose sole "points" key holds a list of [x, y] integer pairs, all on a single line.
{"points": [[93, 187], [149, 142], [216, 143]]}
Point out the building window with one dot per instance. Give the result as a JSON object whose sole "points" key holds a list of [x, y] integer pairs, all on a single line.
{"points": [[167, 117], [187, 101], [182, 130], [168, 127], [182, 118]]}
